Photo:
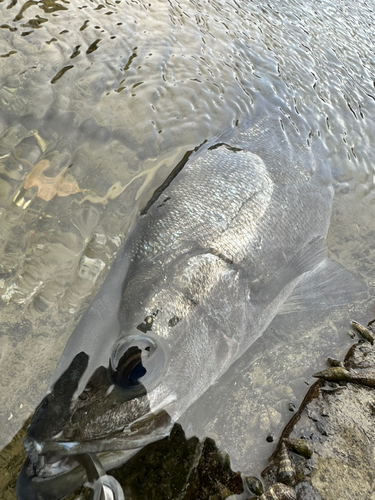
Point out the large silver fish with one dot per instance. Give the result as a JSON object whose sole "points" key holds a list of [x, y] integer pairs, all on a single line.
{"points": [[236, 236]]}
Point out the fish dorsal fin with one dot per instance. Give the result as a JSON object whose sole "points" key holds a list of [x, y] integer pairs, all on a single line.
{"points": [[329, 285], [307, 259]]}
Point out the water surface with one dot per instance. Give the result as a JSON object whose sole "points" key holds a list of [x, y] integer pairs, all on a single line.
{"points": [[100, 101]]}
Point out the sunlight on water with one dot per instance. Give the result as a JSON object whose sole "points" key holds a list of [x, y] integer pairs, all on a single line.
{"points": [[100, 101]]}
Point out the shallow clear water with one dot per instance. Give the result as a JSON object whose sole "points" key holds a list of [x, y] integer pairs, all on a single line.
{"points": [[99, 102]]}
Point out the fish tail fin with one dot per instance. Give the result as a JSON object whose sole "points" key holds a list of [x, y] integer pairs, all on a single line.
{"points": [[328, 285], [306, 260]]}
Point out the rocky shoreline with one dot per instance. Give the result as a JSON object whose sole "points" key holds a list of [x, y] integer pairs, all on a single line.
{"points": [[327, 450]]}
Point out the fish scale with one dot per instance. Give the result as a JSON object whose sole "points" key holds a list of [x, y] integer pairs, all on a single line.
{"points": [[204, 217]]}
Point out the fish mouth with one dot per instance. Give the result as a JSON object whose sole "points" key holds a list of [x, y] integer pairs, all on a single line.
{"points": [[56, 480], [54, 469]]}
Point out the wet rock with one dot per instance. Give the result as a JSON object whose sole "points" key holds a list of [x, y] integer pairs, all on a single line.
{"points": [[334, 459], [305, 491], [212, 477]]}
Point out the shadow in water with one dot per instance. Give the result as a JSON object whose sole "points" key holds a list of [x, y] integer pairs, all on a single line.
{"points": [[172, 468]]}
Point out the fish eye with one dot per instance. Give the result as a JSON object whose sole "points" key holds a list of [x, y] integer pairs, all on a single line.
{"points": [[137, 360]]}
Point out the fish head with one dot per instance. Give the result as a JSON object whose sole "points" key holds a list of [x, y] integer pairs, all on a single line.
{"points": [[121, 406], [107, 416]]}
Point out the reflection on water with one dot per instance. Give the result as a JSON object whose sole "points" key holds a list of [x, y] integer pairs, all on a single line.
{"points": [[100, 101]]}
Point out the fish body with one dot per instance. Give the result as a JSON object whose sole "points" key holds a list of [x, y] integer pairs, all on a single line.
{"points": [[206, 259], [198, 279]]}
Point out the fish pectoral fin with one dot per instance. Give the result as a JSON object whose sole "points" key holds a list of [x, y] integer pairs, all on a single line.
{"points": [[329, 285], [307, 259]]}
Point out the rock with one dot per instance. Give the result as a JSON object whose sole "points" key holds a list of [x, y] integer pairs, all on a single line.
{"points": [[337, 427]]}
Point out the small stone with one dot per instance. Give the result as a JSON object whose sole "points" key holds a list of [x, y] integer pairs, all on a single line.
{"points": [[291, 407], [269, 438], [254, 485]]}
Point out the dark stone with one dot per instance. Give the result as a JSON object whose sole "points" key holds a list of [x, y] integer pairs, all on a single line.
{"points": [[305, 491]]}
